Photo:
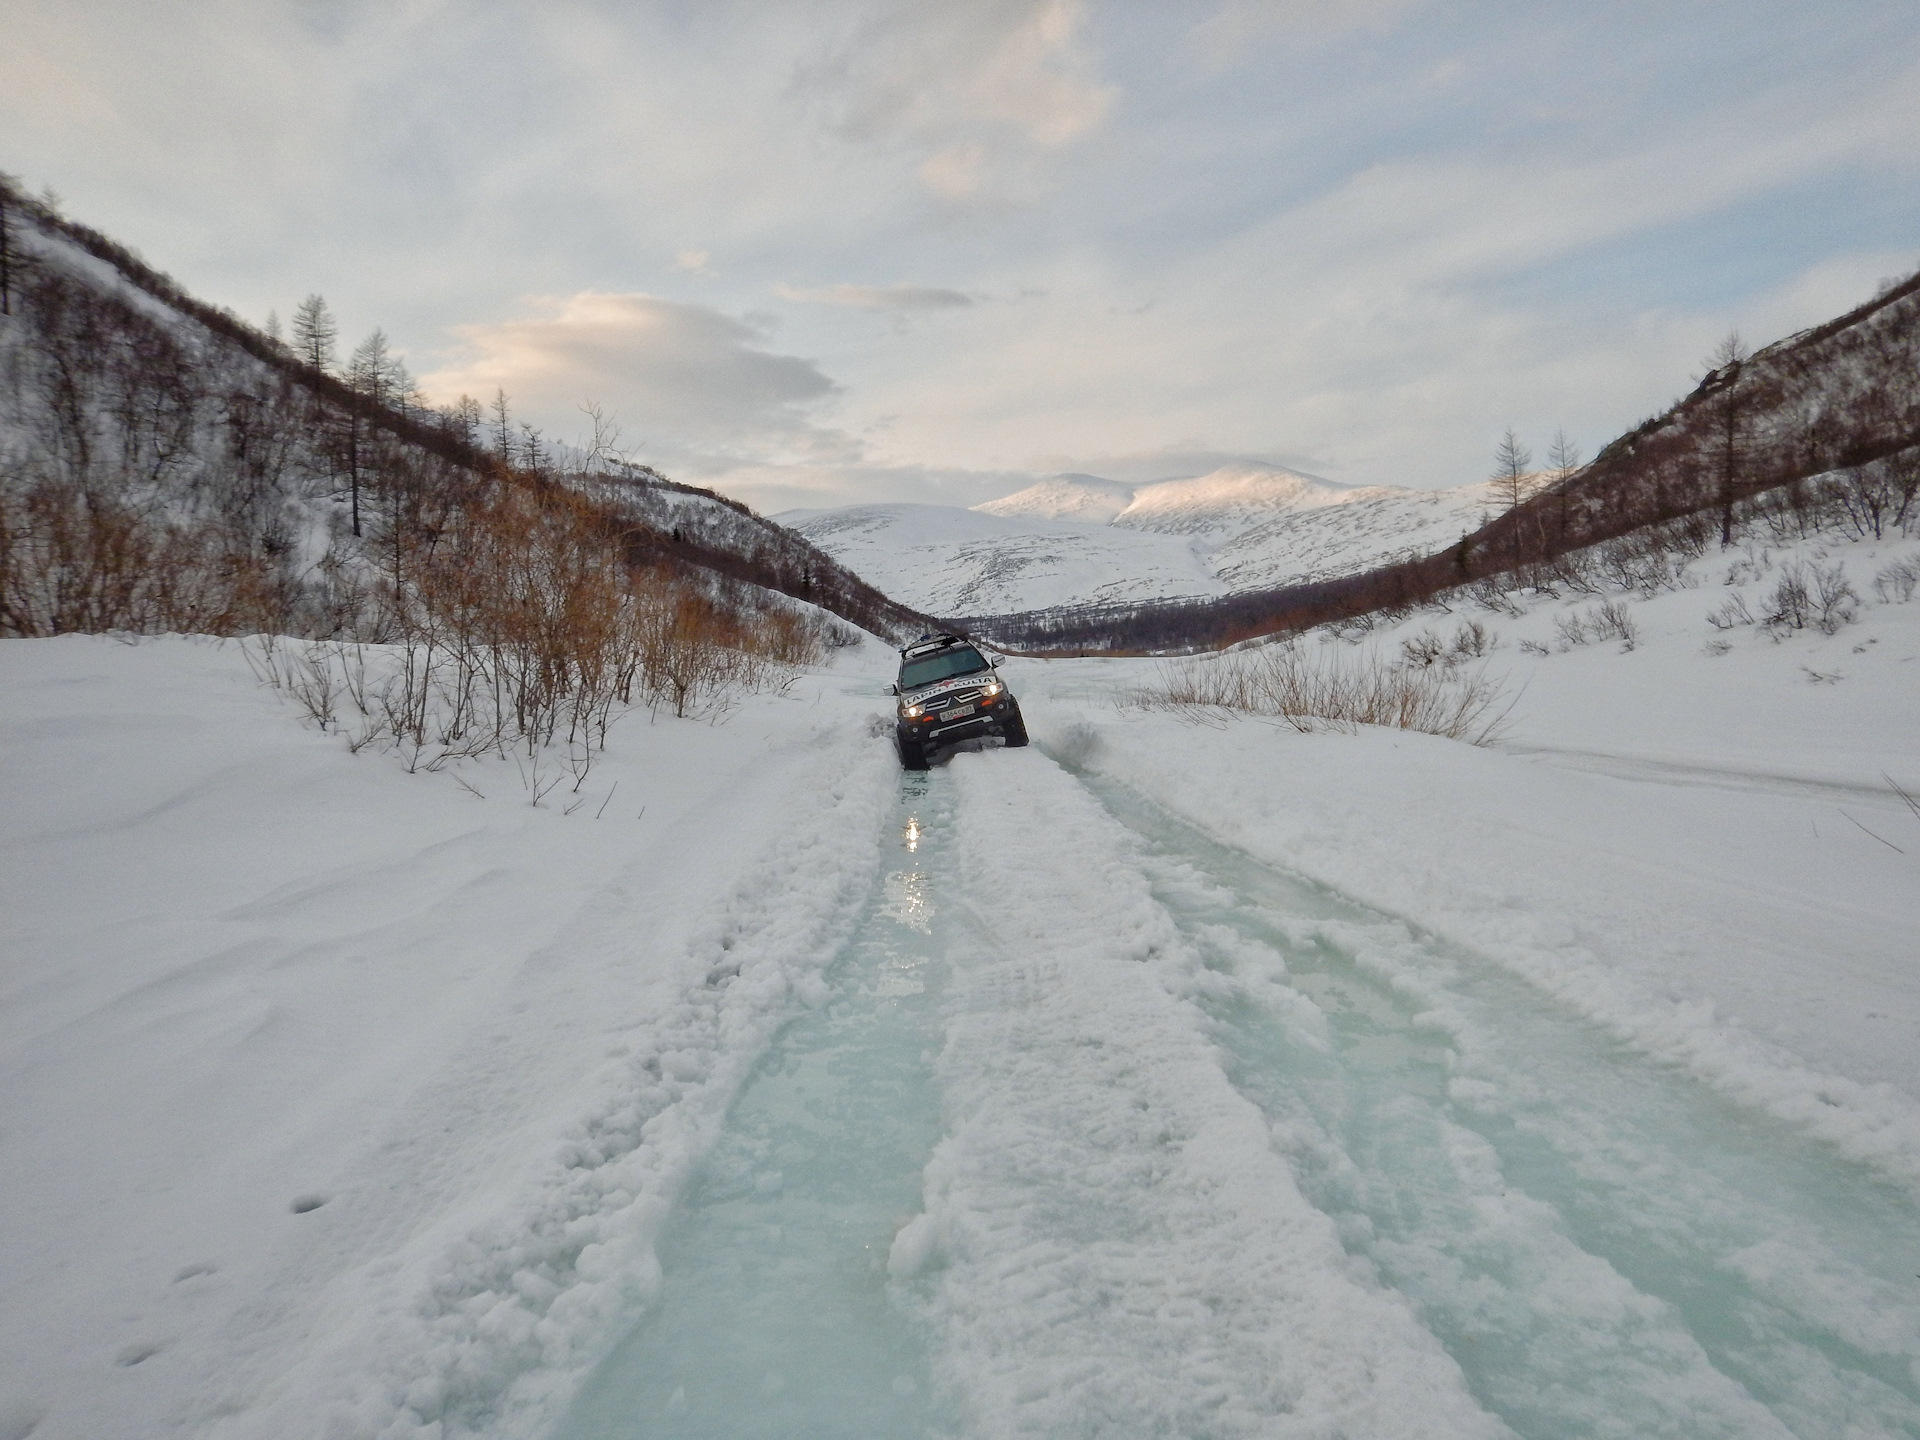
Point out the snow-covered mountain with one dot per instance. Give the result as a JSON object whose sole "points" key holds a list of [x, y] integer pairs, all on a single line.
{"points": [[970, 562], [1082, 539]]}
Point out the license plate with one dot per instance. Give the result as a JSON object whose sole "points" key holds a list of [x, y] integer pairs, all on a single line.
{"points": [[963, 710]]}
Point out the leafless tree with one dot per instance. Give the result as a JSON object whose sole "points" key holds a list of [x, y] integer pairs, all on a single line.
{"points": [[1563, 461], [1512, 463], [314, 333], [1729, 357], [465, 415], [502, 426], [6, 251], [605, 454]]}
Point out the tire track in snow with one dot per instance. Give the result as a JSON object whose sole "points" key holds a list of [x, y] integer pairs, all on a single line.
{"points": [[775, 1319], [1110, 1244], [1607, 1247], [488, 1330]]}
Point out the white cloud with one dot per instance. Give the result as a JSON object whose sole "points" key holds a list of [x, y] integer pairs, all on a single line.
{"points": [[1235, 33], [1289, 242], [979, 91], [877, 297], [690, 383]]}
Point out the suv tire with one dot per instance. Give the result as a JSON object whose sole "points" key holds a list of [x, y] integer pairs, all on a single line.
{"points": [[913, 755], [1016, 731]]}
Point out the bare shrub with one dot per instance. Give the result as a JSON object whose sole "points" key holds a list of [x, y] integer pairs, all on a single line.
{"points": [[1835, 603], [523, 627], [1352, 631], [1534, 647], [1820, 596], [1650, 560], [1896, 582], [1613, 621], [1471, 641], [1329, 689], [1874, 499], [1422, 650], [1610, 620], [1491, 595], [75, 561], [1791, 604], [1730, 613]]}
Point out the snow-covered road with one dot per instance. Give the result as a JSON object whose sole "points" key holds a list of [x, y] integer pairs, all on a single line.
{"points": [[1226, 1153], [1156, 1080]]}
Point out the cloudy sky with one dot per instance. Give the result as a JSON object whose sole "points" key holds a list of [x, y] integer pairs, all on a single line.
{"points": [[819, 253]]}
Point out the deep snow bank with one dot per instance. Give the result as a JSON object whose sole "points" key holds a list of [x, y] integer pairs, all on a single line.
{"points": [[1694, 842], [337, 1100]]}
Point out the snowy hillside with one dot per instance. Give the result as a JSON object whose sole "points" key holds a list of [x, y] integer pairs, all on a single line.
{"points": [[1080, 539], [1166, 1077], [170, 468]]}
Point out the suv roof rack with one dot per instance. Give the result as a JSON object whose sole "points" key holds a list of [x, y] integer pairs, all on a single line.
{"points": [[928, 643]]}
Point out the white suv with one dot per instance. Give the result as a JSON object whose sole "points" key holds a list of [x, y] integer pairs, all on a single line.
{"points": [[948, 693]]}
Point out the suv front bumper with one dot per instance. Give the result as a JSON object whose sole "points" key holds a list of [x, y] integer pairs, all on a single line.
{"points": [[990, 718]]}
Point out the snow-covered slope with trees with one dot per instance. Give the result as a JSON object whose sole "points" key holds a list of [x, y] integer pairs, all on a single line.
{"points": [[1081, 539], [278, 489]]}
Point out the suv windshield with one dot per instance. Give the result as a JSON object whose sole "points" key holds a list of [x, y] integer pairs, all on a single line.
{"points": [[926, 669]]}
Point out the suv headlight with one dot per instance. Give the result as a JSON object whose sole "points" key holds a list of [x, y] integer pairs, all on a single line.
{"points": [[991, 689], [913, 712]]}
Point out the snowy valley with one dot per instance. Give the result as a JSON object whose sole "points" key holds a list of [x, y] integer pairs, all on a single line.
{"points": [[1230, 1076], [1083, 540], [475, 968]]}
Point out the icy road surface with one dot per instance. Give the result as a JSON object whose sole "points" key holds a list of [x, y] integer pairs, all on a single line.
{"points": [[1110, 1130]]}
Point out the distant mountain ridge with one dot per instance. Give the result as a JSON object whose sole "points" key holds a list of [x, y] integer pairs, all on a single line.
{"points": [[1077, 539]]}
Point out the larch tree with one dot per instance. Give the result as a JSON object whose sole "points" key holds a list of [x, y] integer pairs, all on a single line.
{"points": [[315, 332], [466, 416], [502, 426], [370, 371], [1563, 462], [1726, 362], [6, 250], [1512, 463]]}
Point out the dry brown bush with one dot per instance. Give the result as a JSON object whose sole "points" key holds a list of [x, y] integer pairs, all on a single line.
{"points": [[73, 560], [1329, 689], [521, 626]]}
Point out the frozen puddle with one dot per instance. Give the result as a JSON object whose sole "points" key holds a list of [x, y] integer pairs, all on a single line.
{"points": [[773, 1318], [1605, 1248]]}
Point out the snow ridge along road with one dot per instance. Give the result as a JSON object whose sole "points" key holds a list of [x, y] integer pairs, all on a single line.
{"points": [[1111, 1244], [1606, 1246]]}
